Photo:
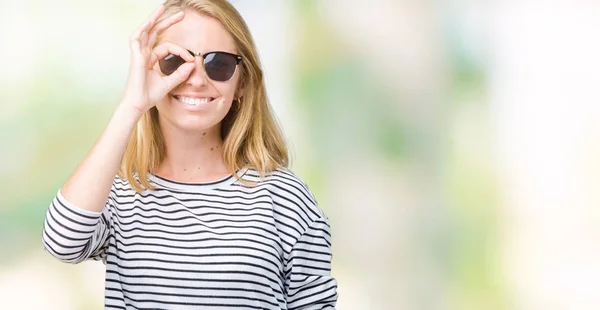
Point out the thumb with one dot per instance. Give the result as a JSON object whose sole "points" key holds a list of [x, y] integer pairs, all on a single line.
{"points": [[180, 75]]}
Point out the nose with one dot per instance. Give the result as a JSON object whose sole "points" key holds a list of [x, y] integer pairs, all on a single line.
{"points": [[198, 77]]}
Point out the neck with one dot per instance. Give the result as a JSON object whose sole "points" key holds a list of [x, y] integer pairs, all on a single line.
{"points": [[192, 156]]}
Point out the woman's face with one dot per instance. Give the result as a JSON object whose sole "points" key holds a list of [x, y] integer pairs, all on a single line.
{"points": [[199, 34]]}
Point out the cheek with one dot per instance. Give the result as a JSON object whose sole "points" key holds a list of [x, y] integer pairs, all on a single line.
{"points": [[163, 104], [224, 107], [227, 91]]}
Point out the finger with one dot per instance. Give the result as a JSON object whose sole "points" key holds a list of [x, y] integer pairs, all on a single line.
{"points": [[167, 48], [147, 23], [155, 15], [143, 39], [180, 75], [162, 25]]}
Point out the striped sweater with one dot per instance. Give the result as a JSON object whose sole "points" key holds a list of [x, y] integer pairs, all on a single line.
{"points": [[212, 245]]}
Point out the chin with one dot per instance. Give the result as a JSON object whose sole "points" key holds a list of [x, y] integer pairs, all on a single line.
{"points": [[197, 126], [194, 122]]}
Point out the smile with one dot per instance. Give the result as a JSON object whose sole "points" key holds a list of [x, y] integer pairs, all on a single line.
{"points": [[195, 103]]}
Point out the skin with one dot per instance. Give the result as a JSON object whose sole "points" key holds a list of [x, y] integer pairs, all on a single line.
{"points": [[193, 138]]}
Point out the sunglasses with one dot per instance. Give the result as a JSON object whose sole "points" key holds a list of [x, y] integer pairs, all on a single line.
{"points": [[219, 66]]}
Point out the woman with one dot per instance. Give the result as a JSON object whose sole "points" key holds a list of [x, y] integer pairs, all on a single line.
{"points": [[202, 211]]}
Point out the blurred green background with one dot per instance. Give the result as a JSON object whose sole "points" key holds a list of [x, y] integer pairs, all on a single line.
{"points": [[454, 145]]}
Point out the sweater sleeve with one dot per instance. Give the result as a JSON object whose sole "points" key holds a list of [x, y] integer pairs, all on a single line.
{"points": [[72, 234], [309, 284]]}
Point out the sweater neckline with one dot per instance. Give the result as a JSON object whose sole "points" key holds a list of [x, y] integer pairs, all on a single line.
{"points": [[194, 186]]}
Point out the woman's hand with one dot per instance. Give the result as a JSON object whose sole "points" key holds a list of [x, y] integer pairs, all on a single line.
{"points": [[145, 86]]}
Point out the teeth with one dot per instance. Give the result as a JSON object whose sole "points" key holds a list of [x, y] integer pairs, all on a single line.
{"points": [[193, 101]]}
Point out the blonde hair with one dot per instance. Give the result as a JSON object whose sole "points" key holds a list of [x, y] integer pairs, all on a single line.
{"points": [[251, 136]]}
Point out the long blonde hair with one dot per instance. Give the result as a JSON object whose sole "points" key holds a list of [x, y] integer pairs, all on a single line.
{"points": [[251, 136]]}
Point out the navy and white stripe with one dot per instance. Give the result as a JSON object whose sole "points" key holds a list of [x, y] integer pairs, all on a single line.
{"points": [[217, 245]]}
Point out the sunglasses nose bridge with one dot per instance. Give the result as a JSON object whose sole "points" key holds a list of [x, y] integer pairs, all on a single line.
{"points": [[195, 54]]}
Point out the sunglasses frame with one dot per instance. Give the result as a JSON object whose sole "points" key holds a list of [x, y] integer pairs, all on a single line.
{"points": [[238, 59]]}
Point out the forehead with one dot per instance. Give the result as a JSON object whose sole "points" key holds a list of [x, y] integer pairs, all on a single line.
{"points": [[199, 33]]}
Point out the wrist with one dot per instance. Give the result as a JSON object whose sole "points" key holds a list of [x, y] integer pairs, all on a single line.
{"points": [[130, 109]]}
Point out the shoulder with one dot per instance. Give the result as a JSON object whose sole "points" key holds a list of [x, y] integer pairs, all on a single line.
{"points": [[121, 189], [120, 184], [288, 191]]}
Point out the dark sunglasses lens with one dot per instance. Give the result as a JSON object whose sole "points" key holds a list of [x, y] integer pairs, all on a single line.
{"points": [[170, 63], [220, 66]]}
